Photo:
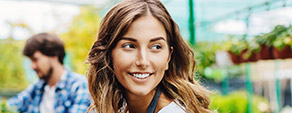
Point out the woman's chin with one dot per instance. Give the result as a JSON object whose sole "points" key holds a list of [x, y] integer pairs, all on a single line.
{"points": [[140, 91]]}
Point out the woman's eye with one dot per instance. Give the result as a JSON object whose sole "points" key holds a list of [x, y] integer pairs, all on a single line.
{"points": [[155, 47], [128, 46]]}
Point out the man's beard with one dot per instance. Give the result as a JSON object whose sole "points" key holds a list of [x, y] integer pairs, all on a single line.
{"points": [[46, 77]]}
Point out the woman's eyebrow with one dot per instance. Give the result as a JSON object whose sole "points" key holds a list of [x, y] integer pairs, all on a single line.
{"points": [[157, 38], [128, 38], [134, 40]]}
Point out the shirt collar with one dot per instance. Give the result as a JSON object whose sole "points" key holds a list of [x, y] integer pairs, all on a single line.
{"points": [[60, 85], [41, 84], [62, 82]]}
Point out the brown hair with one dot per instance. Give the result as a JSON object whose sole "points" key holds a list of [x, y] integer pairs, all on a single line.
{"points": [[47, 44], [178, 82]]}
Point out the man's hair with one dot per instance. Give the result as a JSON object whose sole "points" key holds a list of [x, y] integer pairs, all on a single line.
{"points": [[47, 44]]}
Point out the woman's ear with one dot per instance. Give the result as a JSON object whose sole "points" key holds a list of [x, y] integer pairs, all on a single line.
{"points": [[169, 57], [170, 53]]}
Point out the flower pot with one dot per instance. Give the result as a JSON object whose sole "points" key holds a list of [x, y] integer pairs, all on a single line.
{"points": [[266, 52], [290, 52], [283, 53], [235, 58], [253, 57]]}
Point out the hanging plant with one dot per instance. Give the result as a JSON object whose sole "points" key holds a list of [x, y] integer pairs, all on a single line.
{"points": [[267, 42], [250, 54], [281, 48], [234, 46]]}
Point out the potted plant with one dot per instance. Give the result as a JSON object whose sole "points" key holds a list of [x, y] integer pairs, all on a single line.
{"points": [[281, 48], [235, 47], [250, 54], [288, 41], [266, 41]]}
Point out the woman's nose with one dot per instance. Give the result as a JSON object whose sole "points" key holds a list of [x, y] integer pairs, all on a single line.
{"points": [[142, 59]]}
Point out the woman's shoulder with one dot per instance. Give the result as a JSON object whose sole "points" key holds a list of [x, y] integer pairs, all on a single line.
{"points": [[173, 107]]}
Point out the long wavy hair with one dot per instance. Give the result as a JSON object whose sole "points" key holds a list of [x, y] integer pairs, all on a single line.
{"points": [[178, 81]]}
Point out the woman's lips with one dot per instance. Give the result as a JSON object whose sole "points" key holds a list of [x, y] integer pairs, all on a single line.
{"points": [[141, 75]]}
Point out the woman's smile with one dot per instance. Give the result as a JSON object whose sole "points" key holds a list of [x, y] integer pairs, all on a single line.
{"points": [[141, 75]]}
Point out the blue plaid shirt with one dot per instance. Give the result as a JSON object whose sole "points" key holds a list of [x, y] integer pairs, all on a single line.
{"points": [[71, 95]]}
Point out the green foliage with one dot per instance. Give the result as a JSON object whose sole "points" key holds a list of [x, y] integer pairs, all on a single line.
{"points": [[252, 47], [218, 74], [204, 55], [236, 102], [269, 38], [11, 70], [288, 39], [279, 42], [235, 45], [4, 108], [81, 36], [284, 38]]}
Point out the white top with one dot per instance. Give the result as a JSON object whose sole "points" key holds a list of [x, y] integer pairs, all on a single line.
{"points": [[173, 107], [48, 100]]}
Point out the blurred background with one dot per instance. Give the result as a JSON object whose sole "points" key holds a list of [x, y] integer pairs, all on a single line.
{"points": [[243, 48]]}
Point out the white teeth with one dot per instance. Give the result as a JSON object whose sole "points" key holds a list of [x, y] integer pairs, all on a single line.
{"points": [[141, 75]]}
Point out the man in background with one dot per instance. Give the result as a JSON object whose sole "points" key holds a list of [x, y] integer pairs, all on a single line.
{"points": [[57, 90]]}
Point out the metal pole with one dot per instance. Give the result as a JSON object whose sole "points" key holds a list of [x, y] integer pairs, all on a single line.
{"points": [[225, 82], [192, 29], [248, 85], [278, 86]]}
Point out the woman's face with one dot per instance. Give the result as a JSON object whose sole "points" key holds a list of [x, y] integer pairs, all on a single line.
{"points": [[141, 56]]}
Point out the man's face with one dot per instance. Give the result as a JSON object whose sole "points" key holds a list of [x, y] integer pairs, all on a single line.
{"points": [[41, 64]]}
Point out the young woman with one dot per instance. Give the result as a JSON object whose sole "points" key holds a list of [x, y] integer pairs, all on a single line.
{"points": [[141, 64]]}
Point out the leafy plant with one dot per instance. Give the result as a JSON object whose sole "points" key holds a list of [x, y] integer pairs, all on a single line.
{"points": [[11, 70], [279, 42], [218, 74], [252, 47], [80, 37], [288, 39], [11, 58], [284, 39], [4, 108], [236, 102], [204, 55], [269, 38], [235, 45]]}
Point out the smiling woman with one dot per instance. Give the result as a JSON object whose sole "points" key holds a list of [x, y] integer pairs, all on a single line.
{"points": [[141, 64]]}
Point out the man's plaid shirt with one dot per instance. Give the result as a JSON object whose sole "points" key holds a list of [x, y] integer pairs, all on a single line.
{"points": [[71, 96]]}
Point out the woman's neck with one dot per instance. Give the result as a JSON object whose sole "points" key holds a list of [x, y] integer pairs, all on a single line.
{"points": [[162, 102], [139, 104]]}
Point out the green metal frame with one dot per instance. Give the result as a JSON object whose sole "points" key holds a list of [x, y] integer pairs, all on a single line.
{"points": [[192, 28]]}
